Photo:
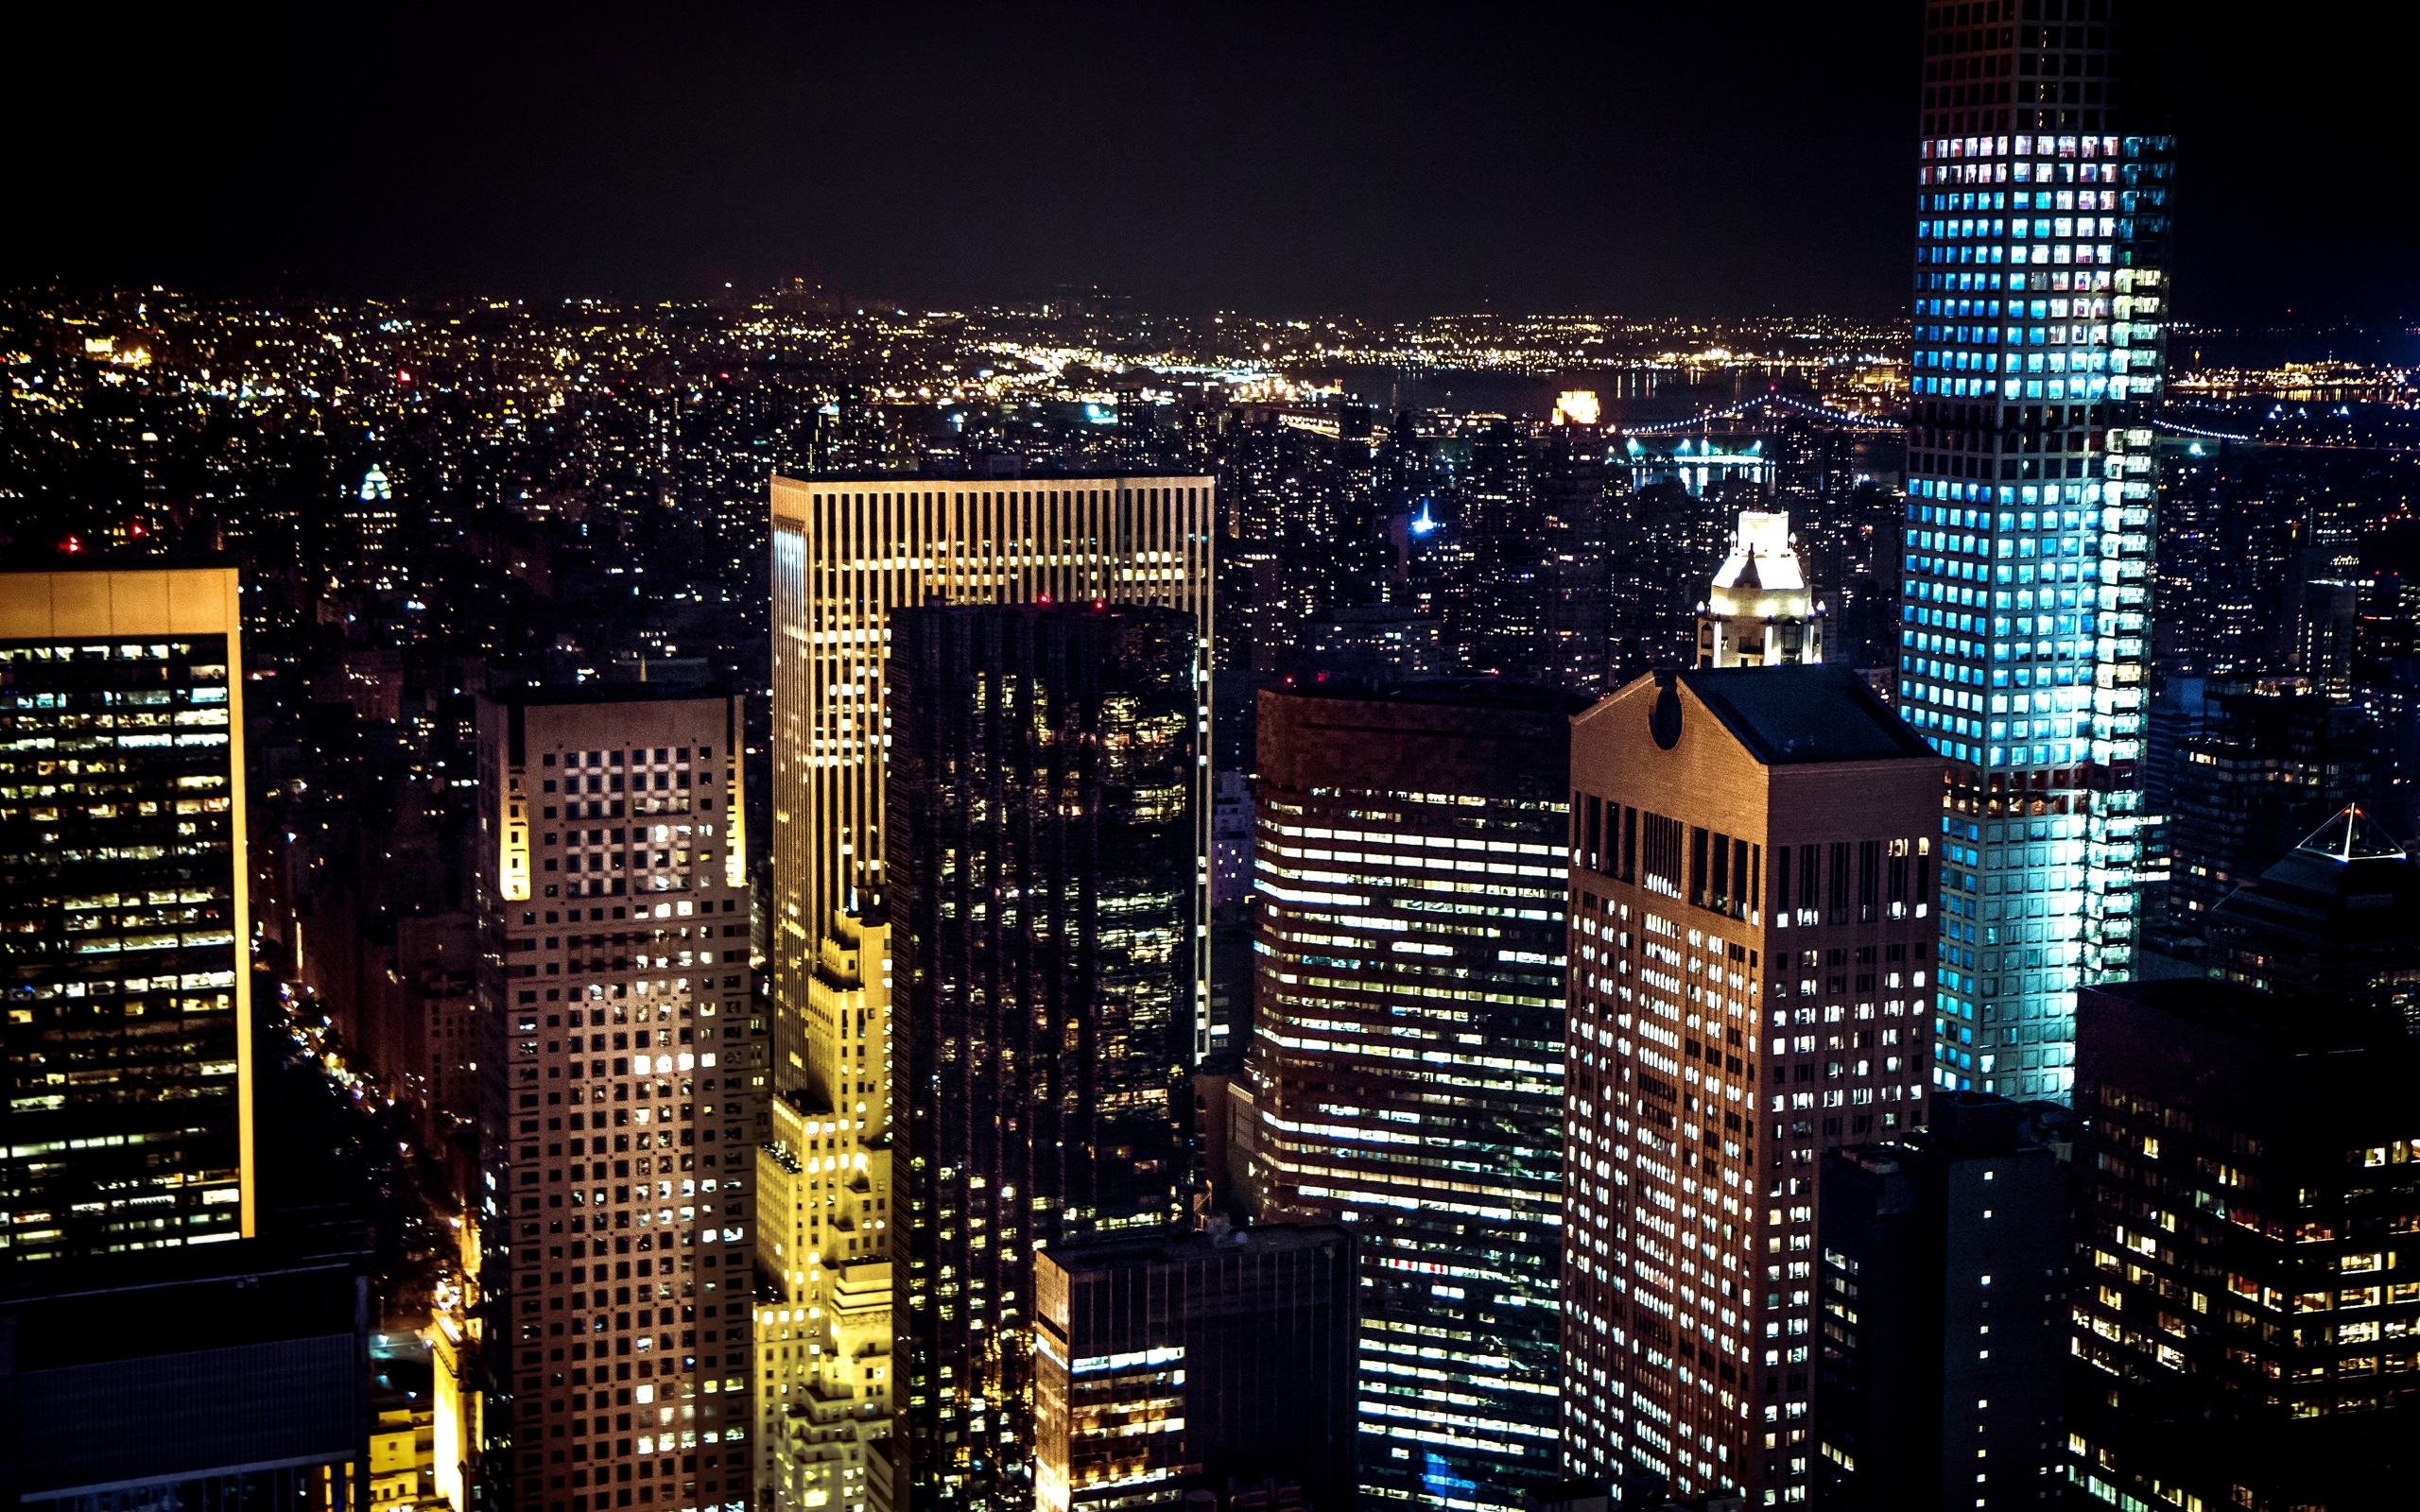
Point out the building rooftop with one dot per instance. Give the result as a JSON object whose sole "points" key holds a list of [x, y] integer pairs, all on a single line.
{"points": [[2266, 1019], [2349, 883], [1445, 693], [1167, 1245], [1790, 715], [553, 694]]}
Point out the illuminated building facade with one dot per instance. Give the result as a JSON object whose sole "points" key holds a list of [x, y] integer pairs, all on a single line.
{"points": [[1759, 612], [1198, 1360], [124, 910], [1405, 1073], [1753, 865], [622, 1088], [824, 1185], [849, 551], [1042, 860], [2246, 1321], [2041, 310]]}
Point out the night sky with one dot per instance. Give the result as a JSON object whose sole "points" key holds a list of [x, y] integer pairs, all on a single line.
{"points": [[1703, 157]]}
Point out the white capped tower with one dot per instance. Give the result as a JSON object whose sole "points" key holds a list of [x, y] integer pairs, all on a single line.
{"points": [[1759, 613]]}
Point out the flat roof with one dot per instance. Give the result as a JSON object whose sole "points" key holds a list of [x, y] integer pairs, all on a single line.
{"points": [[1800, 716]]}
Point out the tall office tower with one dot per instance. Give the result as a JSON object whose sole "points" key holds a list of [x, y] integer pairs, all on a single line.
{"points": [[1201, 1360], [123, 905], [2330, 924], [2259, 767], [2245, 1329], [1044, 764], [2040, 312], [846, 553], [1406, 1074], [824, 1190], [622, 1083], [1760, 613], [1943, 1307], [1576, 574], [1751, 877]]}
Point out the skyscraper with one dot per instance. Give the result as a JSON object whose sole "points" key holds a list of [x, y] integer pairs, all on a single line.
{"points": [[124, 910], [2329, 925], [623, 1071], [823, 1189], [1943, 1307], [1405, 1073], [1195, 1359], [2040, 313], [2248, 1184], [1759, 612], [2259, 767], [1042, 872], [1752, 868], [846, 553]]}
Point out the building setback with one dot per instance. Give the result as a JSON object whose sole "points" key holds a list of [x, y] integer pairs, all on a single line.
{"points": [[823, 1317], [1752, 871], [2040, 313], [622, 1095], [124, 914], [1943, 1298], [1042, 871], [1406, 1074], [1195, 1359], [2246, 1312]]}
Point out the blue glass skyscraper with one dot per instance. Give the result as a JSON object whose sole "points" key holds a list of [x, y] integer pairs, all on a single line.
{"points": [[2041, 307]]}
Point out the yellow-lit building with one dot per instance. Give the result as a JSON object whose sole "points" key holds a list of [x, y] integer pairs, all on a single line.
{"points": [[824, 1215], [127, 1042], [849, 550]]}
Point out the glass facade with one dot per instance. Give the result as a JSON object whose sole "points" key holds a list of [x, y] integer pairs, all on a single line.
{"points": [[121, 927], [2041, 310], [1041, 863], [1406, 1068]]}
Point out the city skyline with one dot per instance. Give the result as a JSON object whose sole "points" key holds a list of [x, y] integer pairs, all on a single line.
{"points": [[1424, 161], [917, 866]]}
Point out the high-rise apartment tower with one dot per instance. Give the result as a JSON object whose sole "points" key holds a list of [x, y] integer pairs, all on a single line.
{"points": [[1753, 865], [1042, 872], [123, 906], [622, 1088], [2040, 309], [1406, 1074]]}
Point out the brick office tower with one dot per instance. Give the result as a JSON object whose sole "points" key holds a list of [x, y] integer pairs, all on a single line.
{"points": [[1040, 859], [2246, 1277], [1752, 942], [623, 1084], [1404, 1076]]}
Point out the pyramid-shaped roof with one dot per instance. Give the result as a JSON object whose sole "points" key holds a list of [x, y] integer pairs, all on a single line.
{"points": [[2353, 835]]}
